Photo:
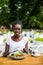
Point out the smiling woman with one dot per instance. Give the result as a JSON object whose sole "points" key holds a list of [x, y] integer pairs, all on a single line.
{"points": [[17, 42]]}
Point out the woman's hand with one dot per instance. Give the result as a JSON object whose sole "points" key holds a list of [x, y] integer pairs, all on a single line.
{"points": [[6, 51], [25, 50], [5, 54]]}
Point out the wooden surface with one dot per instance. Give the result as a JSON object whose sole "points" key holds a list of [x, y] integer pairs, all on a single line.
{"points": [[29, 60]]}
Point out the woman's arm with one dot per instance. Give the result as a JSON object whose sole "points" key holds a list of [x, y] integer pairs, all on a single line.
{"points": [[6, 50], [26, 48]]}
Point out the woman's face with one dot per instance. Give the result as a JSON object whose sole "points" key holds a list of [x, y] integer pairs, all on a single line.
{"points": [[17, 29]]}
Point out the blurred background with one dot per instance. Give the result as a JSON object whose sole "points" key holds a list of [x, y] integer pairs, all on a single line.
{"points": [[30, 12]]}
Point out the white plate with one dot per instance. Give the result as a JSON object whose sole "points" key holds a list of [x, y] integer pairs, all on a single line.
{"points": [[35, 55], [17, 57]]}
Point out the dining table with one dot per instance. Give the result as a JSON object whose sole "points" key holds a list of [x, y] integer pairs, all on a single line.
{"points": [[28, 60]]}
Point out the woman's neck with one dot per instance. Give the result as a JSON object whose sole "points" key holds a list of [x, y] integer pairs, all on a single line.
{"points": [[17, 38]]}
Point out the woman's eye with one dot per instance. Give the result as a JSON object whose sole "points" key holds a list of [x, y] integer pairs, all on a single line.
{"points": [[17, 29]]}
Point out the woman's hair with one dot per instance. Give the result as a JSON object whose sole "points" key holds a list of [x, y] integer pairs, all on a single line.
{"points": [[16, 22]]}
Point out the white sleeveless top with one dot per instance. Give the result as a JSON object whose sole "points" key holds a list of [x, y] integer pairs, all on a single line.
{"points": [[16, 46]]}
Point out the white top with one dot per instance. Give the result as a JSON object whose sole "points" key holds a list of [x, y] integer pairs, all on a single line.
{"points": [[16, 46]]}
